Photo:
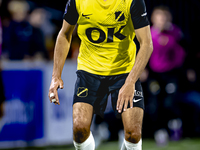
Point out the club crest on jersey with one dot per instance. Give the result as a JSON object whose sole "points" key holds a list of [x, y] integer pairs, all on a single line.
{"points": [[119, 16], [82, 92]]}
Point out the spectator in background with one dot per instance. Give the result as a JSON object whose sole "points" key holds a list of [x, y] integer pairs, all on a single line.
{"points": [[2, 97], [23, 38], [0, 31], [41, 20], [164, 68], [19, 31], [168, 54], [37, 44], [190, 99]]}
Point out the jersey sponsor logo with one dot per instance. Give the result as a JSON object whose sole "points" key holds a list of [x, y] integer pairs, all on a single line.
{"points": [[102, 35], [119, 16], [82, 92], [86, 16]]}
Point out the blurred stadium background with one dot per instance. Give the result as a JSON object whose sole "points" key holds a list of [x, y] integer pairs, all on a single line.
{"points": [[28, 31]]}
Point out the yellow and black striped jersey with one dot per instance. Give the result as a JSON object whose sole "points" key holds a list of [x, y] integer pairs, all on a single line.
{"points": [[106, 29]]}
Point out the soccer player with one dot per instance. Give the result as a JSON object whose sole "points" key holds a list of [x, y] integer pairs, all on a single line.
{"points": [[107, 64]]}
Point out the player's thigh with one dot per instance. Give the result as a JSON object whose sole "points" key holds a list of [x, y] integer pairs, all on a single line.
{"points": [[82, 118], [132, 120], [82, 114]]}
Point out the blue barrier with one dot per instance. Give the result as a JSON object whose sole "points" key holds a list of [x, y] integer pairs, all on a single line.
{"points": [[23, 118], [29, 118]]}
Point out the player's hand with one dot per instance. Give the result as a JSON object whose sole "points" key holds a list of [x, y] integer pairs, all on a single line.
{"points": [[53, 94], [126, 94]]}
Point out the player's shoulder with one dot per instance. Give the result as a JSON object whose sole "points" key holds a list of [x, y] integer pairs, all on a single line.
{"points": [[71, 15], [137, 4]]}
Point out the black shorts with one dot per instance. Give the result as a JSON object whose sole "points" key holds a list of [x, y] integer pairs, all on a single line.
{"points": [[94, 90]]}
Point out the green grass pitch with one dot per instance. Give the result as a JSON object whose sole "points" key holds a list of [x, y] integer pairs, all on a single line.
{"points": [[148, 144]]}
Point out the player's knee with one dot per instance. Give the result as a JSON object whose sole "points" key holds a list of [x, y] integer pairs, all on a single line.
{"points": [[81, 130], [133, 135], [80, 134]]}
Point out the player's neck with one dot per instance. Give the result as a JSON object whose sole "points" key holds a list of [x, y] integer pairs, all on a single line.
{"points": [[106, 3]]}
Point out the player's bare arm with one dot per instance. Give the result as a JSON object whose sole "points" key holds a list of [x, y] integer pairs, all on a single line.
{"points": [[126, 93], [61, 50]]}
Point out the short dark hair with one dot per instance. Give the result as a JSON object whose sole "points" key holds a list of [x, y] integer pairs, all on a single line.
{"points": [[162, 7]]}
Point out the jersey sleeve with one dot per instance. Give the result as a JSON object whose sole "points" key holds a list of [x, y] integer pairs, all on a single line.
{"points": [[139, 14], [71, 14]]}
